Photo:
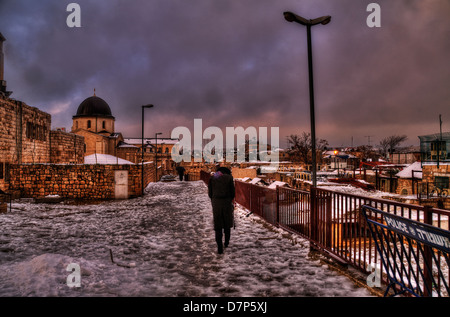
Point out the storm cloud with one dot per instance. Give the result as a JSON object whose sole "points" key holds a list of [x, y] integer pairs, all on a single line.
{"points": [[236, 63]]}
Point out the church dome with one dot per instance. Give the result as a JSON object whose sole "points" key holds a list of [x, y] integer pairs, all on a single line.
{"points": [[94, 107]]}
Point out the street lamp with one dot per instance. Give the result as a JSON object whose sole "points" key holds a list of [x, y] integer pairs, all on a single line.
{"points": [[142, 149], [292, 17], [156, 156], [336, 152]]}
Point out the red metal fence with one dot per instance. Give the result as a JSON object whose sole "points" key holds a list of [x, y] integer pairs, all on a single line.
{"points": [[333, 222]]}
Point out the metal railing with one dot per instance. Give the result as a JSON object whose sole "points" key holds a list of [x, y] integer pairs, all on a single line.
{"points": [[294, 210], [430, 190], [333, 221], [412, 253]]}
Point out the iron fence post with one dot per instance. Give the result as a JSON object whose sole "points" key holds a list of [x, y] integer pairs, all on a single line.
{"points": [[328, 220], [277, 211], [427, 257], [313, 218]]}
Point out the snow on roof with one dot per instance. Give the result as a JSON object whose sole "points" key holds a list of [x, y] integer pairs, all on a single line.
{"points": [[105, 159], [125, 145], [255, 180], [277, 183], [151, 141], [407, 171]]}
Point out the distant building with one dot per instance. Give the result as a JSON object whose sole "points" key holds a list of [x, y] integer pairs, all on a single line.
{"points": [[435, 159], [95, 122], [434, 148], [408, 178], [405, 156]]}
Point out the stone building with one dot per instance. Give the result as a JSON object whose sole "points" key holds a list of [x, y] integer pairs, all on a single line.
{"points": [[435, 157], [409, 178], [95, 122], [26, 138], [155, 149]]}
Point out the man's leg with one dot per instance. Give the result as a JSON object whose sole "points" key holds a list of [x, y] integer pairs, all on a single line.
{"points": [[219, 241], [227, 236]]}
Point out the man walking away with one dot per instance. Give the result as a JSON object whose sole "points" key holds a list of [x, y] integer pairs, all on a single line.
{"points": [[221, 191], [180, 169]]}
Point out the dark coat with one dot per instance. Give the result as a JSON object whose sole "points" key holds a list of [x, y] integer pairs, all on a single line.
{"points": [[180, 170], [221, 191]]}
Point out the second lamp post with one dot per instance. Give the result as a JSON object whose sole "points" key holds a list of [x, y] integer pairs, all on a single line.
{"points": [[292, 17]]}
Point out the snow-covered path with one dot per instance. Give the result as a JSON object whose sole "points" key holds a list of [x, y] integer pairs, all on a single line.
{"points": [[164, 245]]}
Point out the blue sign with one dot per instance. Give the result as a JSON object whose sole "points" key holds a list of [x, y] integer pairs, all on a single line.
{"points": [[435, 237]]}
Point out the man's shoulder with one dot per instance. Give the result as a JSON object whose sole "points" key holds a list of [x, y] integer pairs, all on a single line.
{"points": [[222, 178]]}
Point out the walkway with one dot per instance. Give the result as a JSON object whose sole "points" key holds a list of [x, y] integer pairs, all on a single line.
{"points": [[162, 245]]}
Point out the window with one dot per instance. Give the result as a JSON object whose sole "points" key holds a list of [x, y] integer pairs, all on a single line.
{"points": [[104, 125], [36, 131], [89, 124], [1, 170], [441, 182]]}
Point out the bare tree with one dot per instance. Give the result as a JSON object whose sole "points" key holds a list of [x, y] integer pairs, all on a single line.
{"points": [[300, 147], [384, 146], [366, 152], [390, 143]]}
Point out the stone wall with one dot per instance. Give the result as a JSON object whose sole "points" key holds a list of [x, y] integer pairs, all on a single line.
{"points": [[430, 171], [24, 136], [66, 148], [24, 133], [87, 182], [244, 172], [404, 186]]}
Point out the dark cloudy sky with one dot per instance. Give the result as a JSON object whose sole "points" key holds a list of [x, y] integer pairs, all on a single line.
{"points": [[236, 63]]}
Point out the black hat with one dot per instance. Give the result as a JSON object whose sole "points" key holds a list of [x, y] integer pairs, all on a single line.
{"points": [[224, 170]]}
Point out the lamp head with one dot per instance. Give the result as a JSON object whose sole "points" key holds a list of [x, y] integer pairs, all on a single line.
{"points": [[322, 20], [289, 16], [292, 17]]}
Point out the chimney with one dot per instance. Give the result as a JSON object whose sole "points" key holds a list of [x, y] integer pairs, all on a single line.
{"points": [[2, 69]]}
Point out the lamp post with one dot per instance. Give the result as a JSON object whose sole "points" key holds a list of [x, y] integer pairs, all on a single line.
{"points": [[292, 17], [336, 161], [142, 149], [156, 156]]}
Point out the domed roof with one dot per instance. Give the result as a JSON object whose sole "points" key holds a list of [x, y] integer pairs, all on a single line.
{"points": [[94, 107]]}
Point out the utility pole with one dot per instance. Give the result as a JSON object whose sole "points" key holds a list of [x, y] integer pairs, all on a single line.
{"points": [[368, 138]]}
